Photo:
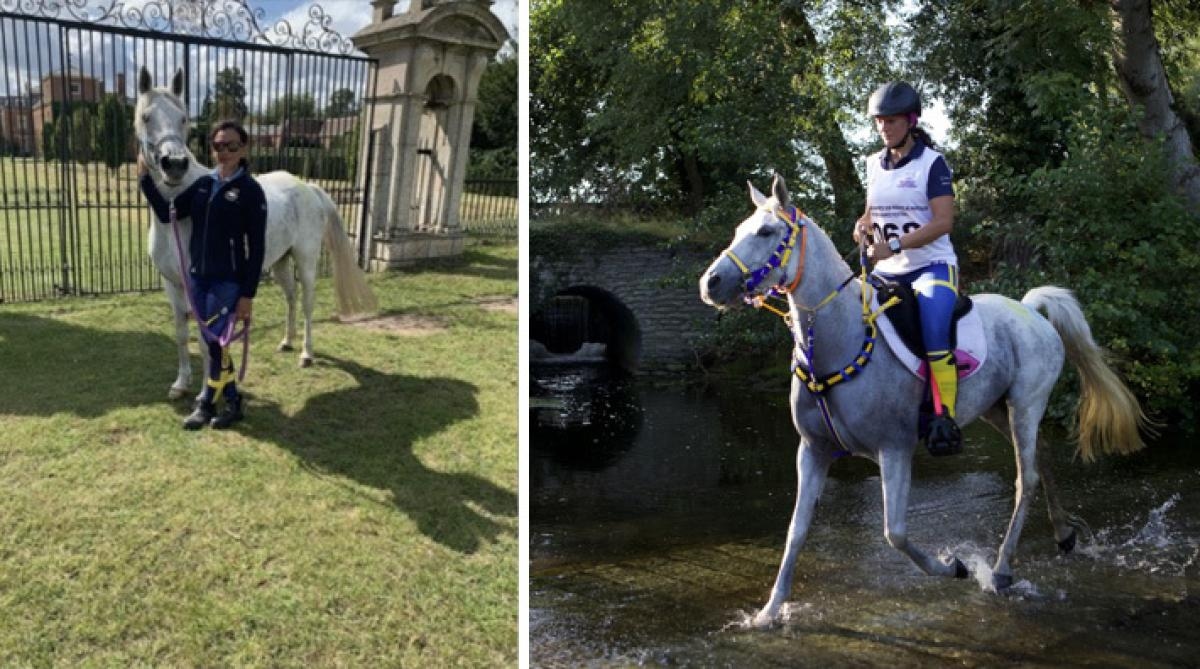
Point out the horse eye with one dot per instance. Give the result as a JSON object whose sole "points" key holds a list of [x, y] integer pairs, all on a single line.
{"points": [[765, 231]]}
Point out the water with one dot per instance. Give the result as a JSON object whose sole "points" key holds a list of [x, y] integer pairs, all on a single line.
{"points": [[659, 515]]}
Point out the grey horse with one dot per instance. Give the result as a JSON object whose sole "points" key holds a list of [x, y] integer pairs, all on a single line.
{"points": [[873, 412]]}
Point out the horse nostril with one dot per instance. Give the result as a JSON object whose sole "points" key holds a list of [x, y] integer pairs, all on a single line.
{"points": [[165, 162], [713, 280]]}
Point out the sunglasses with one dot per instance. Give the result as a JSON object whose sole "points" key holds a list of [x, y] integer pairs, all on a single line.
{"points": [[226, 146]]}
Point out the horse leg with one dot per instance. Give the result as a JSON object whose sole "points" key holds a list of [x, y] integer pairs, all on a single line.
{"points": [[1024, 424], [1065, 524], [811, 468], [179, 309], [308, 286], [895, 468], [286, 278]]}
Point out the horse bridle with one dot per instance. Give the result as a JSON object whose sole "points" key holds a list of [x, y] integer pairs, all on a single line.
{"points": [[150, 149], [751, 279]]}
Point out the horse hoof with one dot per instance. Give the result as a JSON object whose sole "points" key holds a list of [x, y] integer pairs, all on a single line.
{"points": [[306, 362], [960, 569], [764, 619], [176, 393], [1067, 545], [284, 347], [1002, 581]]}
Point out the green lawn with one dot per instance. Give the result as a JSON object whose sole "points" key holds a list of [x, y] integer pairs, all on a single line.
{"points": [[365, 513]]}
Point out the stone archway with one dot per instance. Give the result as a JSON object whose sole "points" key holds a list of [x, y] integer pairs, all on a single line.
{"points": [[589, 319], [429, 198]]}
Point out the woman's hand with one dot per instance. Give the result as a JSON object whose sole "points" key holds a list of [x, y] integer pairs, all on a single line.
{"points": [[862, 228], [245, 308], [879, 251]]}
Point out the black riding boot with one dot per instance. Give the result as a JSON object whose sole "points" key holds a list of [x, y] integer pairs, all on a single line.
{"points": [[944, 436], [230, 413], [202, 412]]}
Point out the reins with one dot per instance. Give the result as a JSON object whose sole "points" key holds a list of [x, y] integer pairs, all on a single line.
{"points": [[229, 335], [803, 361]]}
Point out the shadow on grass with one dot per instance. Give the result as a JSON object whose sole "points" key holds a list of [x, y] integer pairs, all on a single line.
{"points": [[49, 366], [367, 433]]}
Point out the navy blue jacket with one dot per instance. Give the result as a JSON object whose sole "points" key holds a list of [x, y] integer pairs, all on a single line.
{"points": [[229, 227]]}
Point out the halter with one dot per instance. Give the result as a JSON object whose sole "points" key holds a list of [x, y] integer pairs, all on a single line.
{"points": [[751, 280]]}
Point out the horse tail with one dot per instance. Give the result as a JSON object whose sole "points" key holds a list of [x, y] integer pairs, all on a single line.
{"points": [[353, 293], [1109, 415]]}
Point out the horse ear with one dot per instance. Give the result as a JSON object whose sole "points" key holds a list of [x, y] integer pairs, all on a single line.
{"points": [[145, 81], [177, 83], [779, 190], [755, 196]]}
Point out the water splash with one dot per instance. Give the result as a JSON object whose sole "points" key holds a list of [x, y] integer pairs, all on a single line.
{"points": [[979, 561], [1155, 546]]}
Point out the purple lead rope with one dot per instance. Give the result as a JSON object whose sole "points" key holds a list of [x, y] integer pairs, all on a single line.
{"points": [[225, 338]]}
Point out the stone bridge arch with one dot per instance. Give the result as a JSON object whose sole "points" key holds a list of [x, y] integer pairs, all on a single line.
{"points": [[639, 300]]}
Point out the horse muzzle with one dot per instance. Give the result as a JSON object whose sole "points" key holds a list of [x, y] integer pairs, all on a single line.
{"points": [[721, 285], [173, 168]]}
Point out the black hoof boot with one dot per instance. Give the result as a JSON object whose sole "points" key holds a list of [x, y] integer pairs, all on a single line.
{"points": [[230, 414], [944, 437], [202, 412], [960, 569], [1002, 581], [1067, 545]]}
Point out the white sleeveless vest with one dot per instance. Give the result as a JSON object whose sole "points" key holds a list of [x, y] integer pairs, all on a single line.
{"points": [[898, 205]]}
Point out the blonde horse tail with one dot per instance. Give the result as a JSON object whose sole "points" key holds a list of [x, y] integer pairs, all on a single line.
{"points": [[1110, 417], [354, 296]]}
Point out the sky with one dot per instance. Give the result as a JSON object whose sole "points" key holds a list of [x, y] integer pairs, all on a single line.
{"points": [[350, 16]]}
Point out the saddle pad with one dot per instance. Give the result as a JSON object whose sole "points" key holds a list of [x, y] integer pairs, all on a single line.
{"points": [[970, 354]]}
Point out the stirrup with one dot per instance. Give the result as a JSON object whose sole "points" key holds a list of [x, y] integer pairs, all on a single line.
{"points": [[945, 438]]}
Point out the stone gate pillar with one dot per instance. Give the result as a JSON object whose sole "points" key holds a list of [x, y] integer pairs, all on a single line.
{"points": [[430, 60]]}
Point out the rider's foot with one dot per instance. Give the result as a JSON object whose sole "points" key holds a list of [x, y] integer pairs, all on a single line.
{"points": [[230, 413], [944, 436], [202, 412]]}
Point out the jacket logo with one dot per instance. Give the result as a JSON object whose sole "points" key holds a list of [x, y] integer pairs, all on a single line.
{"points": [[231, 195], [907, 182]]}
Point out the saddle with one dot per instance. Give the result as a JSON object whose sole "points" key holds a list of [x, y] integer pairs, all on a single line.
{"points": [[905, 316]]}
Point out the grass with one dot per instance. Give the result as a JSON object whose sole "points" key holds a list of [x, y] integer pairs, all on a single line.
{"points": [[364, 514]]}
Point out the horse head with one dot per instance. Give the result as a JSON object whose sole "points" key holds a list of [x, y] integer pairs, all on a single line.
{"points": [[161, 123], [762, 250]]}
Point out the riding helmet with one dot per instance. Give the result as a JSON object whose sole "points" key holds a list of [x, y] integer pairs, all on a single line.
{"points": [[894, 97]]}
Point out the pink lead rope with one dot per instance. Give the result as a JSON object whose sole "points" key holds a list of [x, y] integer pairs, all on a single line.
{"points": [[225, 338]]}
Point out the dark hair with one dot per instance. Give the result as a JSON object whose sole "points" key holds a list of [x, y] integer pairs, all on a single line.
{"points": [[922, 136], [244, 136]]}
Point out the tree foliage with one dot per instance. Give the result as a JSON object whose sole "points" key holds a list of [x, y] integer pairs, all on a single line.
{"points": [[291, 106], [667, 103], [341, 103], [494, 128], [114, 128], [229, 96]]}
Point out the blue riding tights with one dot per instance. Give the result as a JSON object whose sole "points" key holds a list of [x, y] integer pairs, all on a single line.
{"points": [[936, 287], [216, 300]]}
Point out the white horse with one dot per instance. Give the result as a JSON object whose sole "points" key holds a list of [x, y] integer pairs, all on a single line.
{"points": [[299, 215], [874, 411]]}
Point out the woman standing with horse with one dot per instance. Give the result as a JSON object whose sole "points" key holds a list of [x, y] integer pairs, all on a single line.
{"points": [[909, 214], [226, 249]]}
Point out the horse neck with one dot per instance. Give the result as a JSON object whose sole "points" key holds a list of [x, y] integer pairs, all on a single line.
{"points": [[162, 241], [837, 326]]}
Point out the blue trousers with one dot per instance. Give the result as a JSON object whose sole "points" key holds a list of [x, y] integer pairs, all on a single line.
{"points": [[216, 301], [936, 287]]}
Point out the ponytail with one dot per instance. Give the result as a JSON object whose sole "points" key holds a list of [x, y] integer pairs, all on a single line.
{"points": [[922, 136]]}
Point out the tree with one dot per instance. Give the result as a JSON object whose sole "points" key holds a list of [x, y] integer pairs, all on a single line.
{"points": [[229, 97], [83, 136], [1144, 81], [289, 106], [49, 140], [112, 139], [341, 103], [494, 128]]}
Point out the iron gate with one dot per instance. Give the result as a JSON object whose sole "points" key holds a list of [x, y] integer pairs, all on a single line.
{"points": [[72, 221]]}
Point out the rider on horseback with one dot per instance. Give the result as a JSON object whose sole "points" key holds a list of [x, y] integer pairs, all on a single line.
{"points": [[908, 217]]}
